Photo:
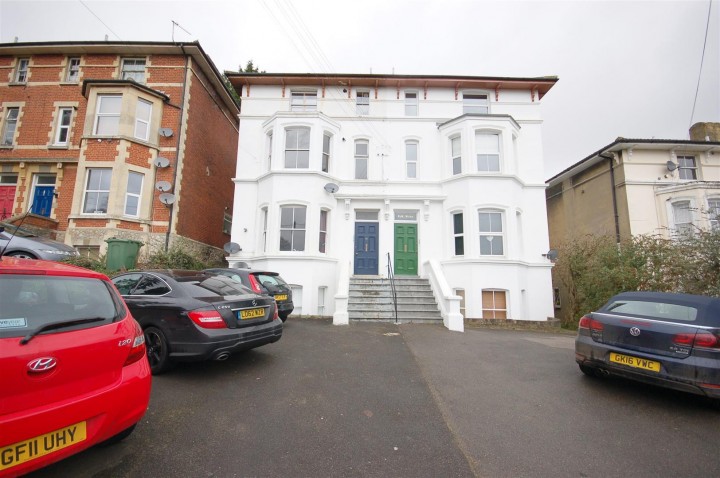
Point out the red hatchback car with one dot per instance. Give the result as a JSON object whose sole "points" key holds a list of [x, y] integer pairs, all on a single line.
{"points": [[73, 366]]}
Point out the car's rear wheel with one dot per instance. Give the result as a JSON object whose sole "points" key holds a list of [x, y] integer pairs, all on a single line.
{"points": [[589, 371], [22, 255], [158, 352], [119, 437]]}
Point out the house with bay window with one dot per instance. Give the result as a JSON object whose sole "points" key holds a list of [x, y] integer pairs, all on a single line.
{"points": [[342, 178], [117, 139], [637, 187]]}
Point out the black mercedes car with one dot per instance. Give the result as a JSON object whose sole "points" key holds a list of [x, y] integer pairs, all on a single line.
{"points": [[670, 340], [263, 282], [192, 315]]}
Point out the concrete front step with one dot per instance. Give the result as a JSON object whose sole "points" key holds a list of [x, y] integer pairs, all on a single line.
{"points": [[372, 299]]}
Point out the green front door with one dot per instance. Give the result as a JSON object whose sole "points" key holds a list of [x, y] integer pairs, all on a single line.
{"points": [[406, 250]]}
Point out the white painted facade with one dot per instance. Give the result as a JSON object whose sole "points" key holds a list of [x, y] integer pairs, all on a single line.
{"points": [[515, 194]]}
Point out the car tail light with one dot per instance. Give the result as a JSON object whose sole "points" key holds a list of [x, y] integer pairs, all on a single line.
{"points": [[589, 323], [275, 315], [704, 340], [254, 284], [207, 319], [137, 351]]}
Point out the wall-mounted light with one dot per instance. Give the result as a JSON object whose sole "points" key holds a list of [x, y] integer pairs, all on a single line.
{"points": [[551, 255]]}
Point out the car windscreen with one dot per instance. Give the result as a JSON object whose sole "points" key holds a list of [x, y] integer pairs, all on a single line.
{"points": [[653, 310], [212, 286], [31, 302]]}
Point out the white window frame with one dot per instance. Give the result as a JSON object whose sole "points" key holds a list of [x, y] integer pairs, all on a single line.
{"points": [[322, 292], [141, 122], [461, 293], [685, 227], [410, 161], [61, 126], [100, 192], [21, 70], [303, 100], [685, 170], [72, 74], [485, 155], [264, 228], [326, 152], [456, 156], [412, 103], [112, 114], [362, 102], [293, 229], [713, 213], [130, 69], [133, 194], [9, 128], [362, 159], [269, 149], [474, 103], [491, 232], [323, 235], [295, 148], [458, 235]]}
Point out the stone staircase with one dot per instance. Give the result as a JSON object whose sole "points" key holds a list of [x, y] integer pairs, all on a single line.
{"points": [[371, 299]]}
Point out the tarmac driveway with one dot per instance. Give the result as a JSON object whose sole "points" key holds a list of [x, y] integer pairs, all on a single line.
{"points": [[383, 400]]}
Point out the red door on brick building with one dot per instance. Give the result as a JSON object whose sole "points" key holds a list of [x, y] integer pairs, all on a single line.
{"points": [[7, 199]]}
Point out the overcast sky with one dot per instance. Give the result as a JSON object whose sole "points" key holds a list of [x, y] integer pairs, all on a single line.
{"points": [[626, 68]]}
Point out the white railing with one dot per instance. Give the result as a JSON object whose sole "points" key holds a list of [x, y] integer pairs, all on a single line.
{"points": [[448, 302], [341, 315]]}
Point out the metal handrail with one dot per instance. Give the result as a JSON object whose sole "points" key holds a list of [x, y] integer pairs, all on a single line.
{"points": [[391, 277]]}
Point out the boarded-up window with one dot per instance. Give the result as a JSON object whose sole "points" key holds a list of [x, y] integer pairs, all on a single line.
{"points": [[494, 304]]}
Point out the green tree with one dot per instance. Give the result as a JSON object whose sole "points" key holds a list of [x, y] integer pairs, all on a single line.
{"points": [[249, 68]]}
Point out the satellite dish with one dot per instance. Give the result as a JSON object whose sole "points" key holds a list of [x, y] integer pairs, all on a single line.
{"points": [[161, 162], [165, 132], [163, 186], [232, 247], [671, 166], [552, 254], [331, 188], [167, 198]]}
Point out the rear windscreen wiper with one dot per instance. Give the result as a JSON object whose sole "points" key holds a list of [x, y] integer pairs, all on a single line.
{"points": [[59, 325]]}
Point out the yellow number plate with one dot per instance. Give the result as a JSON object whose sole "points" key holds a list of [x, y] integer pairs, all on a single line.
{"points": [[635, 362], [252, 313], [23, 451], [281, 297]]}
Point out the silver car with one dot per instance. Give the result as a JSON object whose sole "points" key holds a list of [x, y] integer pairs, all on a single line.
{"points": [[18, 242]]}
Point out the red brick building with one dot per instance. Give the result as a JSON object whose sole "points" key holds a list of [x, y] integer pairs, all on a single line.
{"points": [[131, 140]]}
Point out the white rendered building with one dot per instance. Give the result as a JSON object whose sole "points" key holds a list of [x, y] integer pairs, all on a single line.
{"points": [[439, 176]]}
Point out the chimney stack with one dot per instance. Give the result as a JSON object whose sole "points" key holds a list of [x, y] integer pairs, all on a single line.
{"points": [[705, 132]]}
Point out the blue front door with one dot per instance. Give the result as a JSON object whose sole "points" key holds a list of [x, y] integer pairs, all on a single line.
{"points": [[366, 251], [42, 201]]}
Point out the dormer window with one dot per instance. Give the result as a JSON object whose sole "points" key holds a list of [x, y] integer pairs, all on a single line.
{"points": [[133, 69]]}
